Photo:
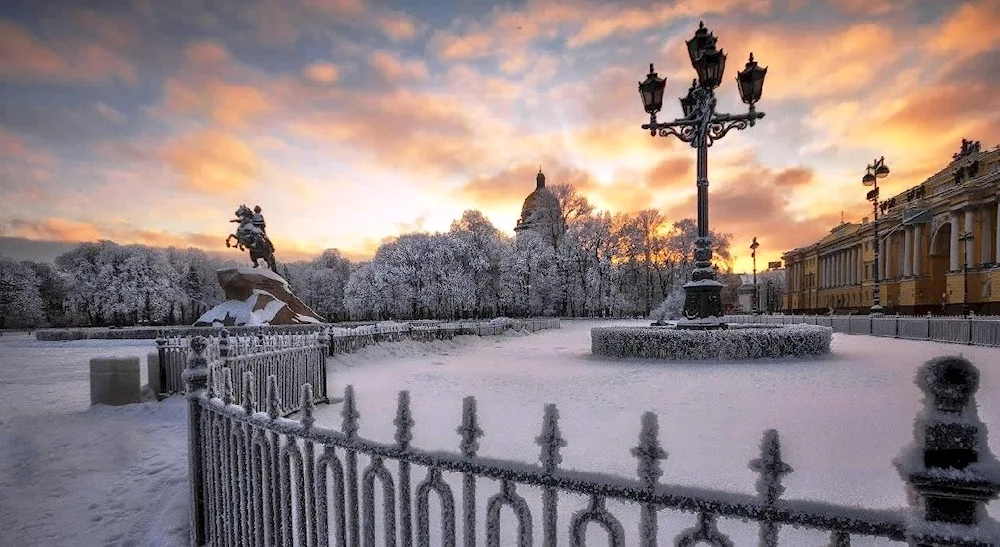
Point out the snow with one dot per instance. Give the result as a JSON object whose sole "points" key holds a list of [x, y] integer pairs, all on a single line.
{"points": [[73, 475]]}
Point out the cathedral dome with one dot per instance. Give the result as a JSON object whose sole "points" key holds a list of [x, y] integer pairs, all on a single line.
{"points": [[541, 211]]}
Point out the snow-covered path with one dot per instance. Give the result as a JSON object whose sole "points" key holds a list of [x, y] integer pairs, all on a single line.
{"points": [[78, 476]]}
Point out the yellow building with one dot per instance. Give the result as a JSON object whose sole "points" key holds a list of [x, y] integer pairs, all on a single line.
{"points": [[928, 234]]}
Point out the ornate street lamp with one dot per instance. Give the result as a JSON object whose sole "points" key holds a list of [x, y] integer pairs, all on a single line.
{"points": [[876, 170], [753, 255], [700, 127]]}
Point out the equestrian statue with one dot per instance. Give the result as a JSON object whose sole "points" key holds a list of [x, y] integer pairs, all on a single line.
{"points": [[251, 235]]}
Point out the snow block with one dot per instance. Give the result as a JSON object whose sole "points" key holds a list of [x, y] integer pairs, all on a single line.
{"points": [[114, 381], [153, 371]]}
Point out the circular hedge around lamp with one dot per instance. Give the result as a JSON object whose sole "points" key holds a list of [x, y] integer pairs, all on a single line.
{"points": [[740, 341]]}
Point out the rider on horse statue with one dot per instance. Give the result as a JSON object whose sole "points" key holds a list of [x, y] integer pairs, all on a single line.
{"points": [[251, 235]]}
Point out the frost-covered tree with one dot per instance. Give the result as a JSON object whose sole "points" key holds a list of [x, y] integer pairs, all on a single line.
{"points": [[21, 304]]}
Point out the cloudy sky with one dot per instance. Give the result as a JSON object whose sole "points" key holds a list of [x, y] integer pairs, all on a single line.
{"points": [[350, 121]]}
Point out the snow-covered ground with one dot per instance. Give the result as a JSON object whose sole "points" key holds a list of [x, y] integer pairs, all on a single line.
{"points": [[73, 475]]}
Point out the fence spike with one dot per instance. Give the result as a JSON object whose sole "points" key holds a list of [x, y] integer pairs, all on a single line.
{"points": [[404, 421], [306, 406], [350, 413], [770, 467], [648, 451], [469, 430], [224, 344], [551, 439], [273, 402], [227, 386], [249, 403]]}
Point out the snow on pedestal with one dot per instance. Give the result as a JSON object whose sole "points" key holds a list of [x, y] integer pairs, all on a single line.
{"points": [[256, 297]]}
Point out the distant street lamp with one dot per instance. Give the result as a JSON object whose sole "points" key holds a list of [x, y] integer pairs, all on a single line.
{"points": [[876, 170], [700, 127], [965, 238], [753, 254]]}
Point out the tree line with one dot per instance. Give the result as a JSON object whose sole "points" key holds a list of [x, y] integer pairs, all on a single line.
{"points": [[603, 265]]}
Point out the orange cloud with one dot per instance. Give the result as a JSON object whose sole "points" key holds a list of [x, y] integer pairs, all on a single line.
{"points": [[337, 7], [206, 52], [54, 229], [322, 73], [461, 48], [13, 147], [229, 105], [395, 70], [397, 26], [213, 162], [824, 71], [672, 172], [980, 20], [27, 59]]}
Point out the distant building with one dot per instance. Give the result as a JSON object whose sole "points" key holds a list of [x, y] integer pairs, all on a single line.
{"points": [[541, 213], [921, 252], [770, 292]]}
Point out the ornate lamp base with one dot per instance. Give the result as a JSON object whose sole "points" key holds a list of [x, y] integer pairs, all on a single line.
{"points": [[702, 305], [876, 310]]}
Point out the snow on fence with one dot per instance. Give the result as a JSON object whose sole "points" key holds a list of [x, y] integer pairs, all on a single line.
{"points": [[959, 330], [260, 479], [172, 351]]}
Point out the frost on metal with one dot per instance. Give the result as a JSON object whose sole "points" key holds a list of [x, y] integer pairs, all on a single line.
{"points": [[649, 452], [550, 440], [261, 479], [736, 342], [469, 430], [949, 467], [404, 421], [349, 413], [770, 468], [306, 407]]}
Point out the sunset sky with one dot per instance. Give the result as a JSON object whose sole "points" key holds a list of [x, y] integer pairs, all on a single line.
{"points": [[350, 121]]}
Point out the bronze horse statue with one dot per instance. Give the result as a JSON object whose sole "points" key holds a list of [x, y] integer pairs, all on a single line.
{"points": [[249, 237]]}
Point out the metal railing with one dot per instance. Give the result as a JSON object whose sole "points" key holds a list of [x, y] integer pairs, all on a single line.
{"points": [[259, 479]]}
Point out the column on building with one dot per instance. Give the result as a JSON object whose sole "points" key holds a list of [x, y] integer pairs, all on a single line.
{"points": [[907, 251], [851, 270], [859, 265], [985, 234], [886, 253], [996, 235], [822, 272], [840, 268], [917, 248], [970, 246], [953, 263]]}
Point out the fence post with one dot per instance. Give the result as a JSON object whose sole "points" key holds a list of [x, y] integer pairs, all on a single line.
{"points": [[161, 352], [950, 471], [196, 378], [328, 340]]}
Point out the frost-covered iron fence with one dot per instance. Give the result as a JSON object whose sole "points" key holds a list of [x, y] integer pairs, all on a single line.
{"points": [[172, 352], [259, 479], [977, 331], [150, 333]]}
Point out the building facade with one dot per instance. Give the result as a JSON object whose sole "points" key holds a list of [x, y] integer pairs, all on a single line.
{"points": [[939, 250]]}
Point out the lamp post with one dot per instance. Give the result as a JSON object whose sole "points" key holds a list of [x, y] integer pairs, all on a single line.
{"points": [[965, 238], [753, 255], [700, 127], [875, 170]]}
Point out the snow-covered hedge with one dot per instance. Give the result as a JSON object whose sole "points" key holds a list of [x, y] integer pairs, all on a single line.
{"points": [[747, 341]]}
